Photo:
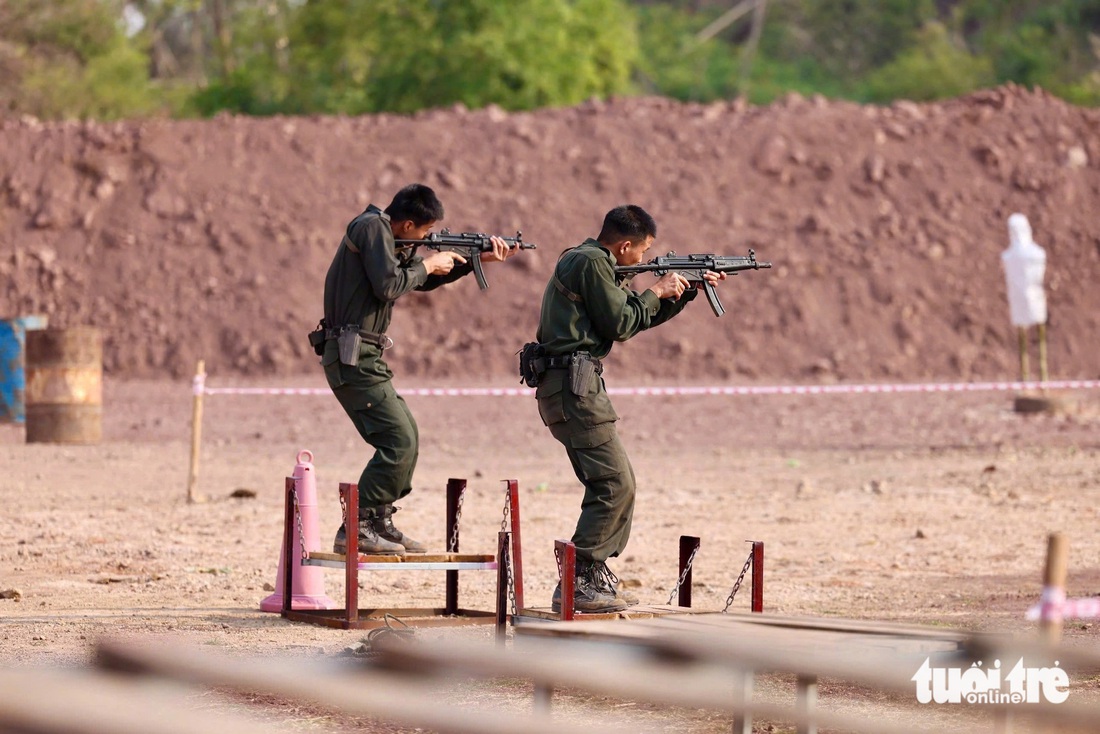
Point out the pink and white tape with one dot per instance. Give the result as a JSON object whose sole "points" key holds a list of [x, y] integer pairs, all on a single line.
{"points": [[1053, 606], [199, 388]]}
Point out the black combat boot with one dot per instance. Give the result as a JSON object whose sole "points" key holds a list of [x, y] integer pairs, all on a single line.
{"points": [[383, 525], [369, 540], [589, 592]]}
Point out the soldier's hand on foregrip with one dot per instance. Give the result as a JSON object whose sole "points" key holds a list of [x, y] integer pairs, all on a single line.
{"points": [[441, 263], [670, 285], [710, 277], [500, 251]]}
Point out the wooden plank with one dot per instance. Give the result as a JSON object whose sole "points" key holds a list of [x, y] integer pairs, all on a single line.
{"points": [[408, 701], [876, 669], [635, 612], [409, 558], [621, 672], [63, 702], [862, 626]]}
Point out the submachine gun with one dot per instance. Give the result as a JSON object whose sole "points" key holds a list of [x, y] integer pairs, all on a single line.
{"points": [[692, 267], [468, 244]]}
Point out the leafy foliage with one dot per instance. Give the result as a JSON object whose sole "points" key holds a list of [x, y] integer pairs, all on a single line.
{"points": [[935, 66], [117, 58], [71, 59]]}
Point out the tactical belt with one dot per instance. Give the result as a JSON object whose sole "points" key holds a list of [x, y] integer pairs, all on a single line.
{"points": [[379, 340], [562, 361]]}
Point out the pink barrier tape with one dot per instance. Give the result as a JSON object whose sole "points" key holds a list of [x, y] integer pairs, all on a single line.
{"points": [[199, 387], [1053, 608]]}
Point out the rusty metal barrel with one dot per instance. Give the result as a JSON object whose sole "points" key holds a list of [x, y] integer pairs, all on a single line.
{"points": [[64, 385]]}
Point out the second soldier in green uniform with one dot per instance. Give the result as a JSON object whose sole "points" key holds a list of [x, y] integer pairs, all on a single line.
{"points": [[586, 308]]}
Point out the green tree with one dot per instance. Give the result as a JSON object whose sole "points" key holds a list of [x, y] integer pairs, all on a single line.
{"points": [[936, 66], [849, 38], [678, 65], [356, 56], [71, 59]]}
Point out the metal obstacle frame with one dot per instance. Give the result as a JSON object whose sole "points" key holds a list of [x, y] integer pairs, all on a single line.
{"points": [[353, 617], [566, 554]]}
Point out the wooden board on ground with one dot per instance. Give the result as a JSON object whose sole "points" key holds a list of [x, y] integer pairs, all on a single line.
{"points": [[779, 633], [640, 611], [410, 558]]}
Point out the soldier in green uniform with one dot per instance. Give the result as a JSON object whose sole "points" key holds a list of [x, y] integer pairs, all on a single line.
{"points": [[586, 308], [366, 276]]}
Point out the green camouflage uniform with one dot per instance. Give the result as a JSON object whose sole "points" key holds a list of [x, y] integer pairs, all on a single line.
{"points": [[586, 307], [360, 288]]}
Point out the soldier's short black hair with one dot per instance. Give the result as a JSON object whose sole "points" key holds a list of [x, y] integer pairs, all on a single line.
{"points": [[416, 202], [626, 222]]}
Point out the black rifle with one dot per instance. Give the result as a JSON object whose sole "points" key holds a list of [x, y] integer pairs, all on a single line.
{"points": [[692, 267], [468, 244]]}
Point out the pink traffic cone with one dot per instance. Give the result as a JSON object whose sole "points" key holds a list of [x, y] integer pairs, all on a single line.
{"points": [[309, 581]]}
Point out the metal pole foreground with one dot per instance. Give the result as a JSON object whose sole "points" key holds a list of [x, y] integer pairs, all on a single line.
{"points": [[567, 552], [689, 546], [758, 576], [455, 490], [517, 545], [503, 549], [288, 547], [351, 553]]}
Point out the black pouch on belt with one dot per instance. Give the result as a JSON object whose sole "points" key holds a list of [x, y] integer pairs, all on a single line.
{"points": [[349, 341], [582, 368], [317, 338], [531, 364]]}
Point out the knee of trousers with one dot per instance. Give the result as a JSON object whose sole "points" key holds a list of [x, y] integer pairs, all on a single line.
{"points": [[599, 458]]}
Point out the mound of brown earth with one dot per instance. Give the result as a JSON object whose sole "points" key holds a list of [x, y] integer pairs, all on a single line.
{"points": [[189, 240]]}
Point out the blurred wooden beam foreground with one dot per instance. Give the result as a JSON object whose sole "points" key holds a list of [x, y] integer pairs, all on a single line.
{"points": [[698, 662]]}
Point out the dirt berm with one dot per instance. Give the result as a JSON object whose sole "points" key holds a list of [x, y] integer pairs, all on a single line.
{"points": [[210, 239]]}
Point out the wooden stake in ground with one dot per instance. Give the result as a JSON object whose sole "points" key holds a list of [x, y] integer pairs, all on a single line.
{"points": [[196, 432], [1054, 588]]}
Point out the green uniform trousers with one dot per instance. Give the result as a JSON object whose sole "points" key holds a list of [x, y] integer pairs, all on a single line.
{"points": [[585, 425], [384, 421]]}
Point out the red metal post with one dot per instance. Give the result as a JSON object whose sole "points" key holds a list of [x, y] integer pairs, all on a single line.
{"points": [[351, 555], [517, 546], [689, 545], [757, 576], [288, 546], [568, 554], [455, 488]]}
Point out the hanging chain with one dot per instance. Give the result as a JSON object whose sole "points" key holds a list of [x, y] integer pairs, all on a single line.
{"points": [[298, 518], [511, 583], [453, 547], [504, 523], [683, 576], [737, 583], [507, 509], [344, 510]]}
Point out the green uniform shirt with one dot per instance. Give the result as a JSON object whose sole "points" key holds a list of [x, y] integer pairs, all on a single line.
{"points": [[360, 287], [586, 307]]}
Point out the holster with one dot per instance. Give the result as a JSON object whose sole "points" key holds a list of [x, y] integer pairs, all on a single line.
{"points": [[349, 341], [531, 363], [582, 368]]}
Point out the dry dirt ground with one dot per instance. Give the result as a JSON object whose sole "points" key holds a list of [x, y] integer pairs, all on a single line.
{"points": [[919, 508], [209, 239]]}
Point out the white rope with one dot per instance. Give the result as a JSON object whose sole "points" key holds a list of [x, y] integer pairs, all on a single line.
{"points": [[200, 388]]}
